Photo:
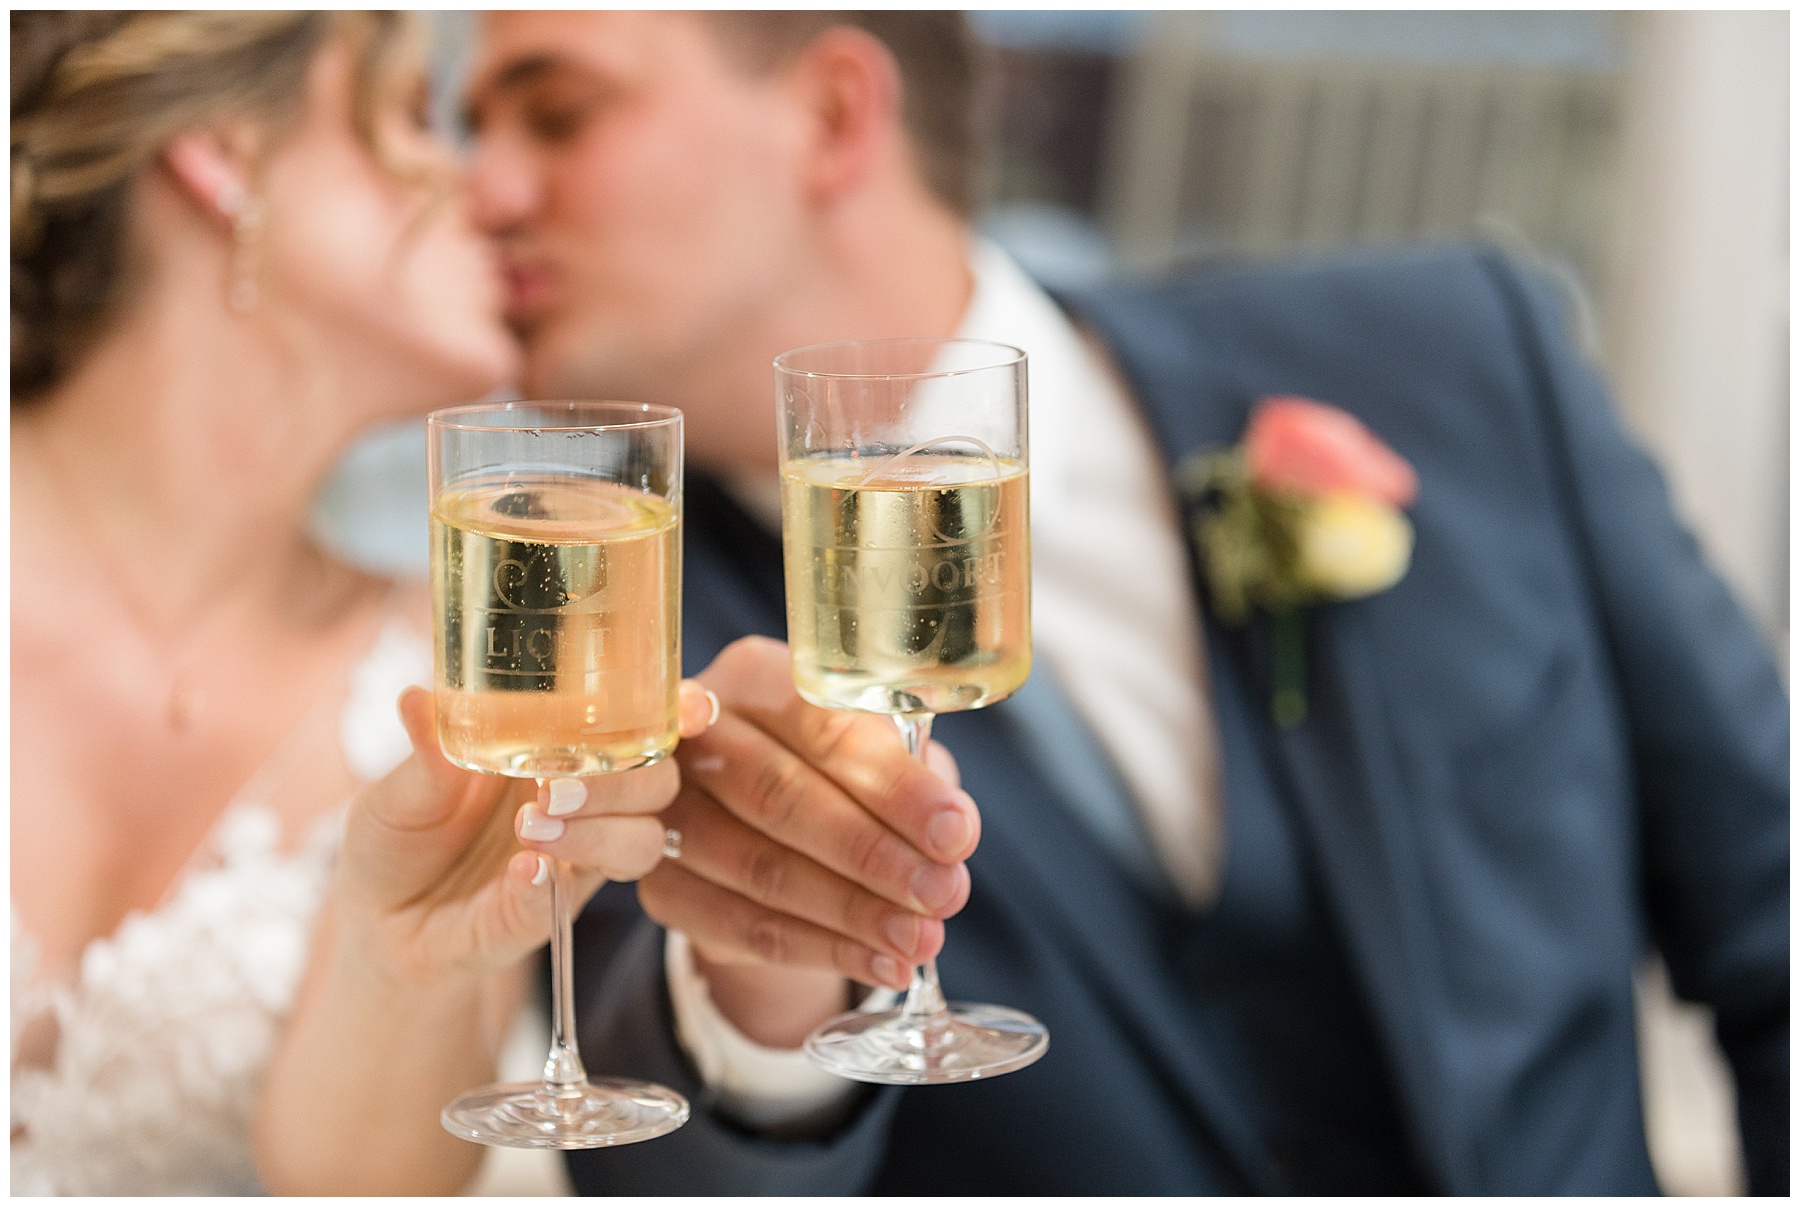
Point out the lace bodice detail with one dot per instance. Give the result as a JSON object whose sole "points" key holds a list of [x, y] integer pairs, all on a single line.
{"points": [[163, 1037]]}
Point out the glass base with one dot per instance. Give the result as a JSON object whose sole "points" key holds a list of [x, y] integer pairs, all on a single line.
{"points": [[966, 1042], [601, 1112]]}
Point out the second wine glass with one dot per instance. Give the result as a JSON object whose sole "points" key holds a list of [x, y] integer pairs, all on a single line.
{"points": [[907, 543]]}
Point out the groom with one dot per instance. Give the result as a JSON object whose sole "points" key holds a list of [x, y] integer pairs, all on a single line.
{"points": [[1388, 949]]}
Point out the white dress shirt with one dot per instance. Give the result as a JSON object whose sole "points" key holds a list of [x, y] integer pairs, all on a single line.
{"points": [[1113, 618]]}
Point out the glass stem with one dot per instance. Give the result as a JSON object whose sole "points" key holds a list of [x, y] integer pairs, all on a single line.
{"points": [[924, 999], [564, 1075]]}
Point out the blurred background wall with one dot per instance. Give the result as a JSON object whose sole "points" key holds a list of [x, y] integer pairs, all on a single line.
{"points": [[1639, 159]]}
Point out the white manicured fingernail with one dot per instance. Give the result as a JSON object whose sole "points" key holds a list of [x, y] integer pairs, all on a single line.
{"points": [[538, 828], [543, 872], [671, 844], [566, 796], [714, 701]]}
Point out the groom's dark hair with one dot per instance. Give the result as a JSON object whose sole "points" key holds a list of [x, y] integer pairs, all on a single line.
{"points": [[940, 79]]}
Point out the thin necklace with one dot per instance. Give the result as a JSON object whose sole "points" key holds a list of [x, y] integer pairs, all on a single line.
{"points": [[185, 699]]}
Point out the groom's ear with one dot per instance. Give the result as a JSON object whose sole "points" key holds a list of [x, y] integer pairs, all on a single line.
{"points": [[212, 169], [850, 85]]}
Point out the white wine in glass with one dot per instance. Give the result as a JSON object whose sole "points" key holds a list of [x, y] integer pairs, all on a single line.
{"points": [[906, 537], [910, 581], [559, 644], [556, 600]]}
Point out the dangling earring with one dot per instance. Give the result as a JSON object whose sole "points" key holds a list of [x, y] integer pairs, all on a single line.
{"points": [[246, 213]]}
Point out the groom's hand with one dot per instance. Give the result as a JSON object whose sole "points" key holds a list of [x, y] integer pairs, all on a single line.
{"points": [[814, 849]]}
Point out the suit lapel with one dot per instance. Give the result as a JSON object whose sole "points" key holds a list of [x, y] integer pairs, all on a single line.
{"points": [[1338, 767], [1341, 769], [731, 576], [1054, 870]]}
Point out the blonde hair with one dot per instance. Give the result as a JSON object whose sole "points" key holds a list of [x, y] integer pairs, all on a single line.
{"points": [[95, 97]]}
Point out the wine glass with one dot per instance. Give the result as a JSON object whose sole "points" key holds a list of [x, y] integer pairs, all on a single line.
{"points": [[907, 547], [556, 599]]}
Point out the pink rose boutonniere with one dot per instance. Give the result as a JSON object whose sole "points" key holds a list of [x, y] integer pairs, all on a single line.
{"points": [[1307, 509]]}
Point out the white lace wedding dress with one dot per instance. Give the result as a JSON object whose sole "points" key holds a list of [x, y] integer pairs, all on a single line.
{"points": [[161, 1041]]}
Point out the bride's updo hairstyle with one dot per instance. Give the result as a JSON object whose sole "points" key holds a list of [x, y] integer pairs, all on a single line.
{"points": [[96, 95]]}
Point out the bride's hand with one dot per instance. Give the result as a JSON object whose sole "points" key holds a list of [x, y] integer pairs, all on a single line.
{"points": [[417, 967], [432, 880]]}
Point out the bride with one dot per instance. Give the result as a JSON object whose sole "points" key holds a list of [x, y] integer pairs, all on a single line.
{"points": [[235, 246]]}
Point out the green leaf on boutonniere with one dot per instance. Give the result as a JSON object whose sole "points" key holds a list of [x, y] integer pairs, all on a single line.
{"points": [[1250, 552], [1288, 699], [1246, 537]]}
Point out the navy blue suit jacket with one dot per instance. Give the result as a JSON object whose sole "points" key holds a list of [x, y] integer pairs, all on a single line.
{"points": [[1556, 744]]}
